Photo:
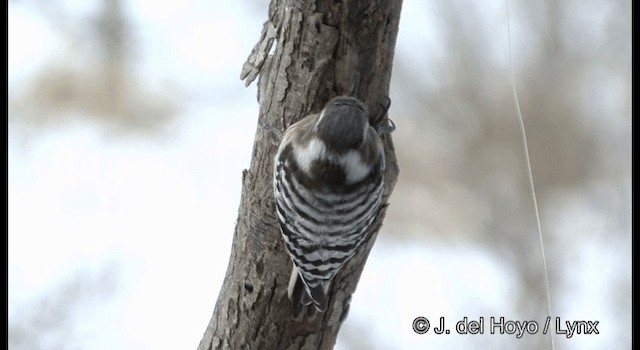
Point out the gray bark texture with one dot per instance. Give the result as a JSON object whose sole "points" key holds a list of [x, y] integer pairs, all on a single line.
{"points": [[322, 49]]}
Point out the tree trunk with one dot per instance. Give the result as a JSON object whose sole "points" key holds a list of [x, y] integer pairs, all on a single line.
{"points": [[323, 48]]}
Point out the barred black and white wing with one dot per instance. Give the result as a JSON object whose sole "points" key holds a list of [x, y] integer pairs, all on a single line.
{"points": [[325, 204]]}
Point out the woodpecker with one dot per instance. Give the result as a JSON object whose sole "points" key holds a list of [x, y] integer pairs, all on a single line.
{"points": [[328, 183]]}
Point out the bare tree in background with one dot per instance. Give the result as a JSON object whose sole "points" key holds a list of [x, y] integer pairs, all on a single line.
{"points": [[95, 76], [324, 49], [480, 177]]}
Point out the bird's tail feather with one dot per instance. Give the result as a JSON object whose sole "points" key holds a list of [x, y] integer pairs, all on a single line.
{"points": [[302, 295]]}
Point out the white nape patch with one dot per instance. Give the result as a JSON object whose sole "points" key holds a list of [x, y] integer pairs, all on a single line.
{"points": [[305, 156], [354, 167]]}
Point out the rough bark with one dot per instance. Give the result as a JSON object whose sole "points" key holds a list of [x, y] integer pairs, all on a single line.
{"points": [[322, 49]]}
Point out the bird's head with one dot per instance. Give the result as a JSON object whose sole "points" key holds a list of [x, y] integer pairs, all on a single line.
{"points": [[343, 124]]}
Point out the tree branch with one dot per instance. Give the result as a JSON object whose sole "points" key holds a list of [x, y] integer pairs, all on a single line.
{"points": [[323, 49]]}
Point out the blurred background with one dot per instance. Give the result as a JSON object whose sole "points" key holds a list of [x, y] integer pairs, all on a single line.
{"points": [[128, 129]]}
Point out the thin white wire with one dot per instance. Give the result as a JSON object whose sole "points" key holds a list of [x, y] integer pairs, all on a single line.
{"points": [[530, 173]]}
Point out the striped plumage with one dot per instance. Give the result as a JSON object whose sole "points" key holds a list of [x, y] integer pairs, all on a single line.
{"points": [[328, 181]]}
